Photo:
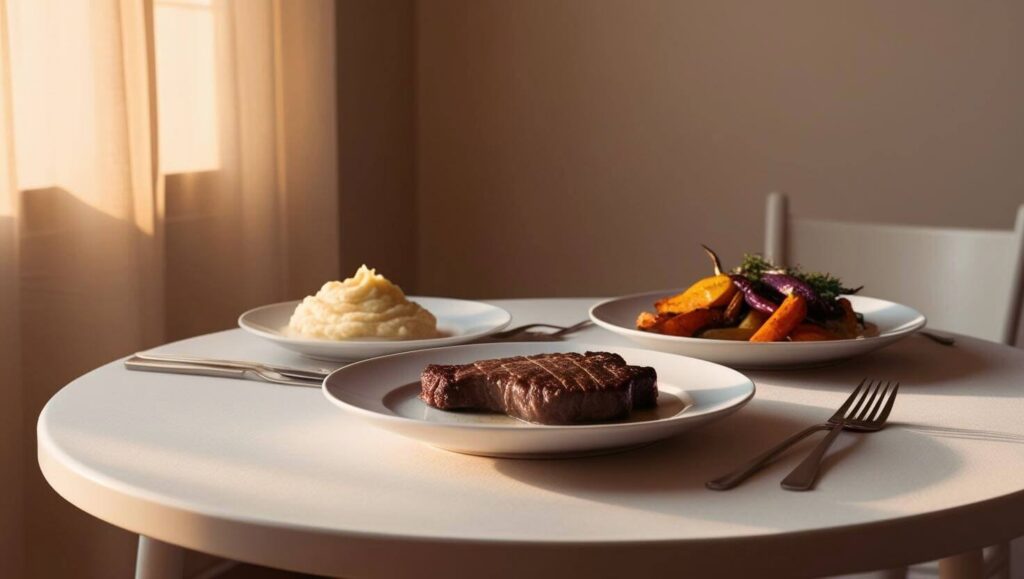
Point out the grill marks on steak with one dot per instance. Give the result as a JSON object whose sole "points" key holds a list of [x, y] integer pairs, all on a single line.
{"points": [[568, 388]]}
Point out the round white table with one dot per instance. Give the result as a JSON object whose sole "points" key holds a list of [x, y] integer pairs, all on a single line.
{"points": [[277, 476]]}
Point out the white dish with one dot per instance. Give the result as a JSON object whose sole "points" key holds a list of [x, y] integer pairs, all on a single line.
{"points": [[894, 321], [459, 321], [384, 392]]}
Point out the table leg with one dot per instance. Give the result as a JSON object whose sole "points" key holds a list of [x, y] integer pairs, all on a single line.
{"points": [[969, 565], [159, 560], [999, 555]]}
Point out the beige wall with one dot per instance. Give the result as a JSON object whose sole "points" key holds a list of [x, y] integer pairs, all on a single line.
{"points": [[376, 128], [587, 146]]}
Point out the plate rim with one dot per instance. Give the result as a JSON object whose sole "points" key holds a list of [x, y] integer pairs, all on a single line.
{"points": [[530, 427], [919, 322], [369, 343]]}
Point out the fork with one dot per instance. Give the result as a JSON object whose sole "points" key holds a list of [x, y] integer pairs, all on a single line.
{"points": [[837, 422], [561, 330], [868, 415]]}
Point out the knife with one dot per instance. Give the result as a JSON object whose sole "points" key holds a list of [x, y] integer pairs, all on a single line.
{"points": [[239, 372], [318, 375]]}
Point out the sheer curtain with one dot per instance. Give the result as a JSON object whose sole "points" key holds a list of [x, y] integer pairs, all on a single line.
{"points": [[164, 165]]}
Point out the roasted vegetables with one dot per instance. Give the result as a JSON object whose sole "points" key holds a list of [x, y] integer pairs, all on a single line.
{"points": [[786, 285], [685, 325], [811, 333], [753, 320], [690, 323], [647, 322], [790, 313], [734, 309], [754, 299], [735, 334], [758, 302], [826, 286], [710, 292], [847, 325]]}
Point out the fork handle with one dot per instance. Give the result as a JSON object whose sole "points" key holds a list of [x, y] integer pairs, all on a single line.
{"points": [[733, 479], [803, 476]]}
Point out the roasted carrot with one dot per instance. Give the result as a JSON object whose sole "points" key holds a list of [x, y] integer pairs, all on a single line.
{"points": [[791, 312], [688, 324]]}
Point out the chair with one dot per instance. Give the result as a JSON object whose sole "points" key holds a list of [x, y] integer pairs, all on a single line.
{"points": [[968, 281], [964, 280]]}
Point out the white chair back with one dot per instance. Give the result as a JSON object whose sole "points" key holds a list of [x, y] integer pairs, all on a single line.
{"points": [[964, 280]]}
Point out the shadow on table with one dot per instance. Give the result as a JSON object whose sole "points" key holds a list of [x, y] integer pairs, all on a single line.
{"points": [[918, 362], [668, 477]]}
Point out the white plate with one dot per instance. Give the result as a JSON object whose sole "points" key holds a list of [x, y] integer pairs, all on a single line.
{"points": [[459, 321], [894, 321], [384, 392]]}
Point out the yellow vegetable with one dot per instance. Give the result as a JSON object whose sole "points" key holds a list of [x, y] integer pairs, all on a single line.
{"points": [[753, 320], [710, 292]]}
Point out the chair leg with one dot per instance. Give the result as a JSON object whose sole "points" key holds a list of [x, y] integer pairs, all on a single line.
{"points": [[159, 560], [969, 565]]}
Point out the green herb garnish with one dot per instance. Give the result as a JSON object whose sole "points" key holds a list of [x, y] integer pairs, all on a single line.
{"points": [[826, 285], [754, 266]]}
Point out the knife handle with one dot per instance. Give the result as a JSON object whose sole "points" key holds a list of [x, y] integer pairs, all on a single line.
{"points": [[803, 476], [300, 373], [733, 479], [171, 368]]}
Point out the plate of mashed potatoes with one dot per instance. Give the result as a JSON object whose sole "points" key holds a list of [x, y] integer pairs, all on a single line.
{"points": [[366, 316]]}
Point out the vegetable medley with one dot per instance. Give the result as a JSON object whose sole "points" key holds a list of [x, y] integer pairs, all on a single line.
{"points": [[758, 302]]}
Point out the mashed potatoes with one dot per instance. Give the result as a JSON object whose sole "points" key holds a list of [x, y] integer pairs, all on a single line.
{"points": [[365, 305]]}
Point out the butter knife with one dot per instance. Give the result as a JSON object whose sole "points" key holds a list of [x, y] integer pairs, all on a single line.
{"points": [[242, 373], [238, 364]]}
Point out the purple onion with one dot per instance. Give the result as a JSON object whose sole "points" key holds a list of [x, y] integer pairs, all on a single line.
{"points": [[755, 300], [787, 284]]}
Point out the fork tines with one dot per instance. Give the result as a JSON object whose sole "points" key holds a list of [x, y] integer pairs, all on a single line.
{"points": [[871, 403]]}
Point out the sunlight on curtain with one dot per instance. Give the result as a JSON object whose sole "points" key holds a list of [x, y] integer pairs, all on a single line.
{"points": [[8, 181], [186, 85], [164, 165], [66, 71]]}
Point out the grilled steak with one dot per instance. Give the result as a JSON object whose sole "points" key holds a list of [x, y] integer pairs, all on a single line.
{"points": [[544, 388]]}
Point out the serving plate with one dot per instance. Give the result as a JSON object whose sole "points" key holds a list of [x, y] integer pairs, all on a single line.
{"points": [[384, 392], [894, 321], [459, 321]]}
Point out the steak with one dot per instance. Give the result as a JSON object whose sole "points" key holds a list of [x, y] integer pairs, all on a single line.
{"points": [[544, 388]]}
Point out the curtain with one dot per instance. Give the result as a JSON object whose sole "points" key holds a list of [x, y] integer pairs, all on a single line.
{"points": [[164, 165]]}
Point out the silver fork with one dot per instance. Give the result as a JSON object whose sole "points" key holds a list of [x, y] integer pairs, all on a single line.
{"points": [[561, 330], [868, 415], [837, 422]]}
